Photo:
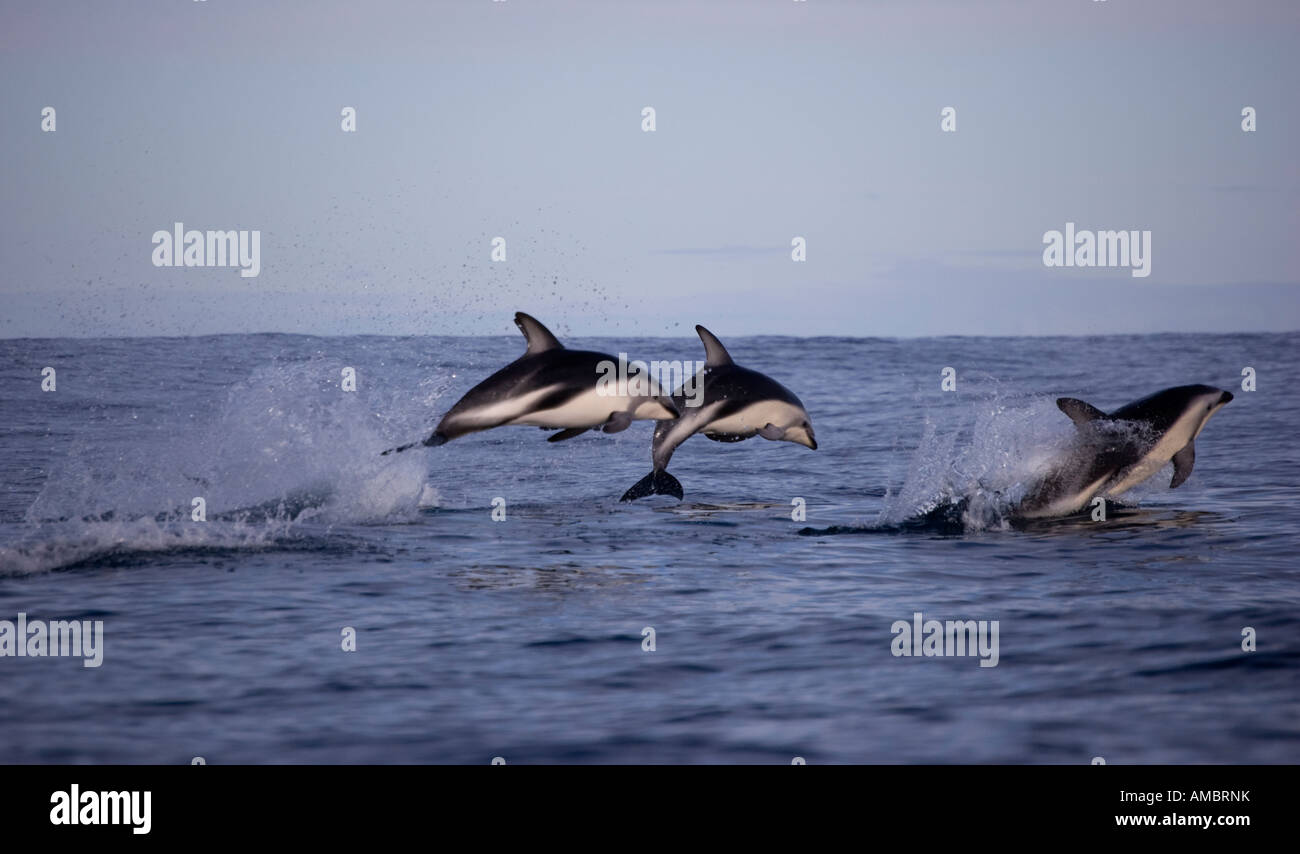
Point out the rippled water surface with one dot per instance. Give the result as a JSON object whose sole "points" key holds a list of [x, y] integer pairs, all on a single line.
{"points": [[523, 638]]}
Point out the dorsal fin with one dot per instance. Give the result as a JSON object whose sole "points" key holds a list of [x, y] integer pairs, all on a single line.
{"points": [[715, 355], [1080, 413], [539, 338]]}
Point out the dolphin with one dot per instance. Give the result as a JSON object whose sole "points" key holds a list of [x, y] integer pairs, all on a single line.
{"points": [[1114, 452], [734, 404], [549, 387]]}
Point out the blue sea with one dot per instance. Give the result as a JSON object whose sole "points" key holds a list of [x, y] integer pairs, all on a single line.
{"points": [[525, 638]]}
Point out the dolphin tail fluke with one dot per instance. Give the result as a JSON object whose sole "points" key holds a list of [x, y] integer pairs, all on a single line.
{"points": [[657, 482]]}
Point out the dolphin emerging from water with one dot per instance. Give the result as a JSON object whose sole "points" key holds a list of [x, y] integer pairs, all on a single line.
{"points": [[552, 388], [735, 403], [1114, 452]]}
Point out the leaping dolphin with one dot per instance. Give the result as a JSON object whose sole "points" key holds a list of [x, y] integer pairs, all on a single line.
{"points": [[735, 403], [1115, 452], [552, 388]]}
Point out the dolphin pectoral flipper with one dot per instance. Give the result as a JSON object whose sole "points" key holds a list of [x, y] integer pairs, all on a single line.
{"points": [[618, 422], [1183, 461], [771, 431], [566, 434], [1080, 413], [657, 482]]}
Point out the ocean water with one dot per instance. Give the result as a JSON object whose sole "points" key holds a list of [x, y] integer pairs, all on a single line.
{"points": [[523, 638]]}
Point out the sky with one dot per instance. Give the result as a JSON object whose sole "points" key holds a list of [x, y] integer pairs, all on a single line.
{"points": [[774, 119]]}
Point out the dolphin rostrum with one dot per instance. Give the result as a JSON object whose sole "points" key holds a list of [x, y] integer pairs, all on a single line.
{"points": [[553, 388], [735, 403], [1114, 452]]}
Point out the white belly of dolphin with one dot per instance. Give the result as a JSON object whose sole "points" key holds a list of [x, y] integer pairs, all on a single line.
{"points": [[587, 409], [1173, 441], [754, 417], [1065, 505]]}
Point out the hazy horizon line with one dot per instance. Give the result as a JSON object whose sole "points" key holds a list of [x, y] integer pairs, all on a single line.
{"points": [[657, 337]]}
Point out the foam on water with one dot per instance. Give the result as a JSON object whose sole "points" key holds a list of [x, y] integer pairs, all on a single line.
{"points": [[283, 450], [974, 464]]}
